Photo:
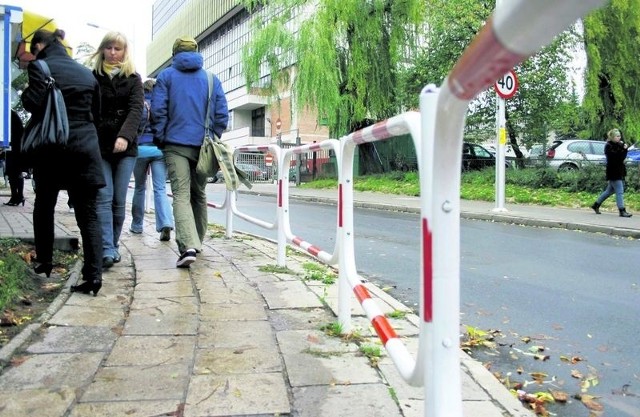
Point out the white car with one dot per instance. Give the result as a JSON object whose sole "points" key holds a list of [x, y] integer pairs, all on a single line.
{"points": [[572, 154]]}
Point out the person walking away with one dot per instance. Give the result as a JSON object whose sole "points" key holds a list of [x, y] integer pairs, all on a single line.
{"points": [[150, 157], [14, 162], [121, 100], [616, 152], [74, 167], [179, 107]]}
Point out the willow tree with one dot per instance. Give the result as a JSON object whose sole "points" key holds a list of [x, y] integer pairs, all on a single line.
{"points": [[343, 55], [612, 44]]}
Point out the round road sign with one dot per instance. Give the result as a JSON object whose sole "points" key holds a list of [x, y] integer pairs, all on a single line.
{"points": [[278, 124], [507, 86], [268, 159]]}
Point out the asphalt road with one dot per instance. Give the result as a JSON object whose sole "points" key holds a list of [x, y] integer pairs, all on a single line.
{"points": [[575, 295]]}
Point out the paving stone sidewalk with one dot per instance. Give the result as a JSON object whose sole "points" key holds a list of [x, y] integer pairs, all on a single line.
{"points": [[223, 338]]}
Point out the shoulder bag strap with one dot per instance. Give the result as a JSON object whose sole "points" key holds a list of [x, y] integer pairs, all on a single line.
{"points": [[44, 67], [206, 121]]}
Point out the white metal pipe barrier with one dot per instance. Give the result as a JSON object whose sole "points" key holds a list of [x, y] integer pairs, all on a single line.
{"points": [[514, 32], [283, 190]]}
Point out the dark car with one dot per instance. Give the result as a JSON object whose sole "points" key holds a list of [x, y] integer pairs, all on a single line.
{"points": [[475, 156]]}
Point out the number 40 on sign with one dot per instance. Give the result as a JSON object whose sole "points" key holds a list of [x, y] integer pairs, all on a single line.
{"points": [[507, 86]]}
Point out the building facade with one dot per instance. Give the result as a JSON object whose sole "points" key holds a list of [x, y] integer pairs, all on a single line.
{"points": [[222, 29]]}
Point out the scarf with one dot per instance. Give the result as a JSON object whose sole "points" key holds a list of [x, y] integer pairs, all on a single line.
{"points": [[111, 70]]}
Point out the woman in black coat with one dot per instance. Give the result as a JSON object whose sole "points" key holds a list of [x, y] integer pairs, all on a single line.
{"points": [[75, 167], [14, 162], [122, 100]]}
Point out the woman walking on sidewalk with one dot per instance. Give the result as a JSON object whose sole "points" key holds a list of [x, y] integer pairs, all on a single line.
{"points": [[150, 158], [616, 152], [121, 100], [74, 167]]}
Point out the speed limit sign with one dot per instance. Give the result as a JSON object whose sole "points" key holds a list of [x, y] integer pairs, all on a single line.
{"points": [[507, 86]]}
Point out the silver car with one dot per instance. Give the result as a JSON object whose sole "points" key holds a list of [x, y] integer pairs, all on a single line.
{"points": [[572, 154]]}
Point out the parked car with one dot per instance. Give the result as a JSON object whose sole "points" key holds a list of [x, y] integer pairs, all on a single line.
{"points": [[475, 156], [571, 154], [254, 172]]}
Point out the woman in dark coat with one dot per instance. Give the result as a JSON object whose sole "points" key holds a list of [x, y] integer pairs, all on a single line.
{"points": [[75, 167], [14, 162], [122, 100], [616, 152]]}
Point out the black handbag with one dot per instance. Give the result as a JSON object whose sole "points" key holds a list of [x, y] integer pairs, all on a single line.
{"points": [[52, 127]]}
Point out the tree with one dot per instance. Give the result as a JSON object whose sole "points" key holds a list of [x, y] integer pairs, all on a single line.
{"points": [[543, 101], [343, 55], [83, 53], [612, 96]]}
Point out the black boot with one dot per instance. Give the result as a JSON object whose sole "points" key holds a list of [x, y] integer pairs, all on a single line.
{"points": [[623, 213], [596, 207]]}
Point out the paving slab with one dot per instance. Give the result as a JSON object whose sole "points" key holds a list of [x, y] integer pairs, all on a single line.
{"points": [[44, 402], [237, 395], [73, 340], [139, 383]]}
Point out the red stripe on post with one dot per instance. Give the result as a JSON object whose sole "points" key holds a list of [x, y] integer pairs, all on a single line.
{"points": [[380, 131], [483, 62], [427, 272], [362, 293], [383, 329], [340, 206], [297, 241], [279, 193], [314, 250]]}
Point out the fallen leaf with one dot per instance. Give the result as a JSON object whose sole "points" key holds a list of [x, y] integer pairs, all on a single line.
{"points": [[590, 402], [576, 374], [538, 376], [559, 396]]}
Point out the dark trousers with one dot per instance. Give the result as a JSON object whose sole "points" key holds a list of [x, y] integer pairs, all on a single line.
{"points": [[16, 183], [84, 200]]}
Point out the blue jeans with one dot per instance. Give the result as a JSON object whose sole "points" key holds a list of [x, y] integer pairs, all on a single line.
{"points": [[616, 187], [112, 201], [149, 156]]}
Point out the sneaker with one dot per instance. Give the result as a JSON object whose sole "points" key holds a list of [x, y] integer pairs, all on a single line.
{"points": [[137, 232], [165, 234], [117, 258], [187, 258]]}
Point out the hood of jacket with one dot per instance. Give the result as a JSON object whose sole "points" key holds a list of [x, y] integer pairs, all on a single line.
{"points": [[187, 61]]}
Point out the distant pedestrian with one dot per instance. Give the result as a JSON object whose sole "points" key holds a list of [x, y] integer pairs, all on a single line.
{"points": [[150, 157], [179, 105], [15, 164], [616, 152]]}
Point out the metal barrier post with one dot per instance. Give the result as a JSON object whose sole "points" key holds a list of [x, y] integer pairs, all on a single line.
{"points": [[346, 261]]}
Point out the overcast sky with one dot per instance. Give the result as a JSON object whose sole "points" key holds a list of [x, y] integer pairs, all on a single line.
{"points": [[132, 17]]}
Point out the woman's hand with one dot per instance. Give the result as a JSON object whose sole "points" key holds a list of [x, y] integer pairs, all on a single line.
{"points": [[120, 146]]}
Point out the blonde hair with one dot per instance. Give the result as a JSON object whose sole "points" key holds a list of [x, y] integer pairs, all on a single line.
{"points": [[613, 133], [127, 67]]}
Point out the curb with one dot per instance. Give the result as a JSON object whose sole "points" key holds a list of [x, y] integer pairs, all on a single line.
{"points": [[16, 342]]}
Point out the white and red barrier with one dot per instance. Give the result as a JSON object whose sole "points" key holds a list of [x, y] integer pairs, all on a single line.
{"points": [[514, 32]]}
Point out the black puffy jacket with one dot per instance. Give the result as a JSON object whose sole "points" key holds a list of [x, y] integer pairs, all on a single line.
{"points": [[79, 162]]}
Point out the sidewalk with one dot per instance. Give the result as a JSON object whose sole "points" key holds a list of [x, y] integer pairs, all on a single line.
{"points": [[225, 338]]}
